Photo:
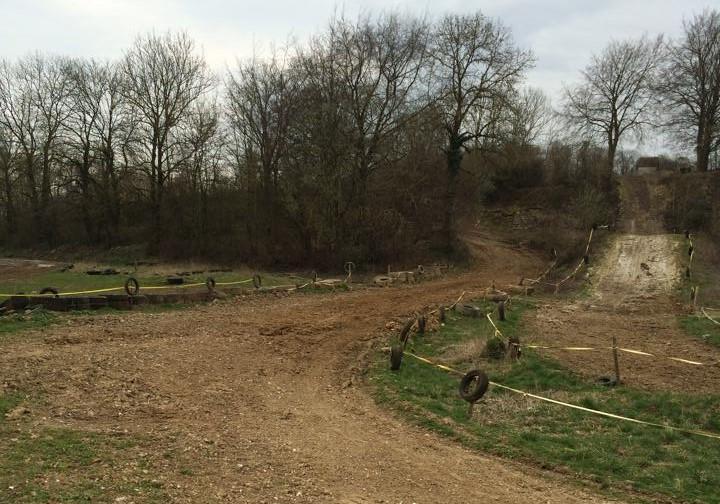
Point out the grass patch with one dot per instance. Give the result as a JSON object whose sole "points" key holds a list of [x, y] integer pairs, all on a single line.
{"points": [[706, 277], [618, 456], [64, 465], [17, 322], [702, 328]]}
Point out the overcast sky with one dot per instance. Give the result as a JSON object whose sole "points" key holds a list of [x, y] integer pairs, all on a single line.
{"points": [[562, 33]]}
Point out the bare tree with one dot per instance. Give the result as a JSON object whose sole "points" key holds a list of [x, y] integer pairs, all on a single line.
{"points": [[8, 180], [691, 86], [87, 79], [262, 98], [204, 146], [115, 132], [476, 69], [530, 114], [377, 63], [616, 94], [33, 108], [163, 77]]}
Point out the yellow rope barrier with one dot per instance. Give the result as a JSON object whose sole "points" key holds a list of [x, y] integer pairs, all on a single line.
{"points": [[110, 289]]}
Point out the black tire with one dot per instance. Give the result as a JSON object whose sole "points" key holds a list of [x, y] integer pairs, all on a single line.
{"points": [[257, 281], [606, 381], [473, 385], [405, 332], [586, 259], [314, 276], [210, 283], [50, 290], [175, 280], [132, 287], [441, 316], [396, 355], [690, 250], [501, 311], [421, 269], [687, 234], [421, 324]]}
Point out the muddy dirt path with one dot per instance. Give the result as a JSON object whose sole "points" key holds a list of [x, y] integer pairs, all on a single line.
{"points": [[632, 297], [264, 399]]}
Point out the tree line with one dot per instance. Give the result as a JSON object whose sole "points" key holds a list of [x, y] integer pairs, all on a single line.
{"points": [[364, 143]]}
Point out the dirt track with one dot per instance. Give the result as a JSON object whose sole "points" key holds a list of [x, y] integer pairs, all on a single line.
{"points": [[632, 297], [263, 399]]}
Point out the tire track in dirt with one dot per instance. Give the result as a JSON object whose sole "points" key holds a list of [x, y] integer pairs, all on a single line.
{"points": [[264, 399]]}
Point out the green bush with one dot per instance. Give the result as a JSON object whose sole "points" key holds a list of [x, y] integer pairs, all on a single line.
{"points": [[494, 348]]}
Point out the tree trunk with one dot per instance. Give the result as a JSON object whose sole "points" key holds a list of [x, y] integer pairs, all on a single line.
{"points": [[86, 202], [702, 149], [454, 160], [612, 149], [10, 225]]}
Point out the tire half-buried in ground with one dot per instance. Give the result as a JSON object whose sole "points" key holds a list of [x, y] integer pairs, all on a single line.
{"points": [[473, 385], [396, 355], [50, 290], [132, 287]]}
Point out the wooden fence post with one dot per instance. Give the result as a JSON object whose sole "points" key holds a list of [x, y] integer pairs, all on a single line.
{"points": [[615, 358]]}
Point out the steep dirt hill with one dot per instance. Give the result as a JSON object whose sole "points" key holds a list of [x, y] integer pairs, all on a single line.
{"points": [[631, 297]]}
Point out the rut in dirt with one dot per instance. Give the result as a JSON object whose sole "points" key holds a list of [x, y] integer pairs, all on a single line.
{"points": [[632, 297]]}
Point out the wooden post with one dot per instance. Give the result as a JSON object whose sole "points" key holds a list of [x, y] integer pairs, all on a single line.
{"points": [[615, 358]]}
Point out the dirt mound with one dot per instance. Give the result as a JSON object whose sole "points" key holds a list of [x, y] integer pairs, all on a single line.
{"points": [[637, 267]]}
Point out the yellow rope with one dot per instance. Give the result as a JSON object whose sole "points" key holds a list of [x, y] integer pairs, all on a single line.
{"points": [[572, 406]]}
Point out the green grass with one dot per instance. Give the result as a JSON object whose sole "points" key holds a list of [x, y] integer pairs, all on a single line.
{"points": [[617, 456], [702, 328], [40, 465], [706, 277], [20, 321]]}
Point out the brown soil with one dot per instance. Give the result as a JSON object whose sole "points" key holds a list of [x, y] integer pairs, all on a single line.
{"points": [[263, 398]]}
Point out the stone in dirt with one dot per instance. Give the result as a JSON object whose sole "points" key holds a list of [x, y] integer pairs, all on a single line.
{"points": [[17, 413]]}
